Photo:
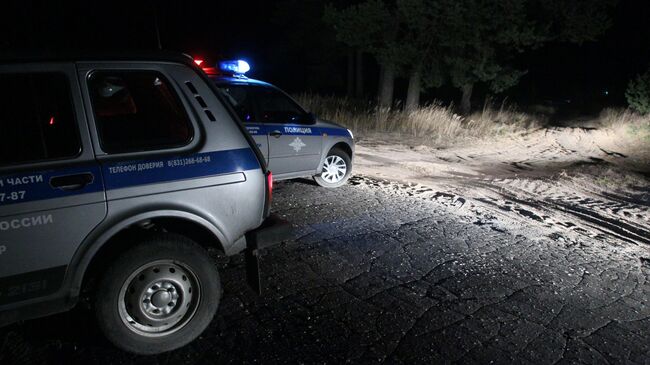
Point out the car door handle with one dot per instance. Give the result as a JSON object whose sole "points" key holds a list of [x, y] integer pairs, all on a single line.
{"points": [[276, 134], [72, 182]]}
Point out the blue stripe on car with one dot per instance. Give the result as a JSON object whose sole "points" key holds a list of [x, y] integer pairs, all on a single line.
{"points": [[26, 187], [34, 186], [132, 173], [294, 130]]}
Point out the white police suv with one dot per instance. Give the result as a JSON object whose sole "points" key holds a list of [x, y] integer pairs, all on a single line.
{"points": [[294, 142], [117, 174]]}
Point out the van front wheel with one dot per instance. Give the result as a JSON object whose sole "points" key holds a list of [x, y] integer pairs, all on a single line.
{"points": [[158, 296]]}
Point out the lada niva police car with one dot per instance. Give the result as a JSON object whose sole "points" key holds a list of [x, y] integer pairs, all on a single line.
{"points": [[294, 142], [117, 174]]}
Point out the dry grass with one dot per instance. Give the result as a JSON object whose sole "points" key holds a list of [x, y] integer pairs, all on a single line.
{"points": [[439, 125], [434, 122], [627, 122]]}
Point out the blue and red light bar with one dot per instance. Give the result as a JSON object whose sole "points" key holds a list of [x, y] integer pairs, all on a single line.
{"points": [[232, 67]]}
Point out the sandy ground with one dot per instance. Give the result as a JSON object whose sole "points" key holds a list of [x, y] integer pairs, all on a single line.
{"points": [[559, 182]]}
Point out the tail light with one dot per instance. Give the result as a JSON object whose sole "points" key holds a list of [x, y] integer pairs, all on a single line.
{"points": [[269, 194], [269, 187]]}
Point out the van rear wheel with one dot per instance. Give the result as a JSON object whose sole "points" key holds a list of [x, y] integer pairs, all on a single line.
{"points": [[158, 296]]}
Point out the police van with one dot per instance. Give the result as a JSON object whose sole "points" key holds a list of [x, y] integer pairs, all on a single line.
{"points": [[294, 142], [117, 174]]}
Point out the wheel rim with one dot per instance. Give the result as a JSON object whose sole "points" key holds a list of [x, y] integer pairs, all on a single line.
{"points": [[334, 169], [159, 298]]}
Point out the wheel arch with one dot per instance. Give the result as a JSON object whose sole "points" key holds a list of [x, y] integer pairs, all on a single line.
{"points": [[341, 144], [100, 249], [343, 147]]}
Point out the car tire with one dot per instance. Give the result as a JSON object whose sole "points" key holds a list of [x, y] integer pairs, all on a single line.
{"points": [[158, 296], [334, 177]]}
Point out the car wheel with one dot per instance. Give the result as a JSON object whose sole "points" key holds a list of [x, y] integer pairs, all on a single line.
{"points": [[337, 168], [158, 296]]}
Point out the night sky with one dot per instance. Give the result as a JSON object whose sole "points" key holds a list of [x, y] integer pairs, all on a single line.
{"points": [[296, 51]]}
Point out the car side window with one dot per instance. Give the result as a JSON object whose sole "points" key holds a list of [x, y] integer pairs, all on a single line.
{"points": [[137, 111], [275, 107], [241, 99], [37, 121]]}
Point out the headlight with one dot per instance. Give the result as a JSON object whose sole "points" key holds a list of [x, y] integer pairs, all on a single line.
{"points": [[351, 135]]}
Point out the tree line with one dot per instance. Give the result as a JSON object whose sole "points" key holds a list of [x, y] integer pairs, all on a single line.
{"points": [[457, 43]]}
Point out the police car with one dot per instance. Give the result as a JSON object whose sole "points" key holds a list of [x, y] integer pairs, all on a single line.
{"points": [[294, 142], [117, 174]]}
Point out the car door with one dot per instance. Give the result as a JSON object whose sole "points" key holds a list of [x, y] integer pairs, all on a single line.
{"points": [[294, 143], [51, 190]]}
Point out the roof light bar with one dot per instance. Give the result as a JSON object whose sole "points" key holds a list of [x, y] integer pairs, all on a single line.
{"points": [[239, 67]]}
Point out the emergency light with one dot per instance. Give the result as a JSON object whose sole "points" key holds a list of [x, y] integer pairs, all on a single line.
{"points": [[239, 67]]}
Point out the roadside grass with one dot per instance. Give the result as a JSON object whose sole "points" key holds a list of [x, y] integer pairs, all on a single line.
{"points": [[434, 122], [627, 122], [440, 125]]}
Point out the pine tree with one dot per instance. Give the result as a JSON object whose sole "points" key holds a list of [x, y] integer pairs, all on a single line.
{"points": [[638, 93]]}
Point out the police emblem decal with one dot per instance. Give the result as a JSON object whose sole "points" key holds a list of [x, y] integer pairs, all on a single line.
{"points": [[297, 144]]}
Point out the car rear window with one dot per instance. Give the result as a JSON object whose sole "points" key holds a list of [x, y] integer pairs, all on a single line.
{"points": [[37, 121], [137, 111]]}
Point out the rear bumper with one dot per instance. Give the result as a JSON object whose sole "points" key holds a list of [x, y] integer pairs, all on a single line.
{"points": [[272, 231]]}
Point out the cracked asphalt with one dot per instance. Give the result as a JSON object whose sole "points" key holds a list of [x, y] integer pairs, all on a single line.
{"points": [[376, 276]]}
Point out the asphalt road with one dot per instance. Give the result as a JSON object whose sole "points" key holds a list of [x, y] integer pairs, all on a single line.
{"points": [[377, 274]]}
